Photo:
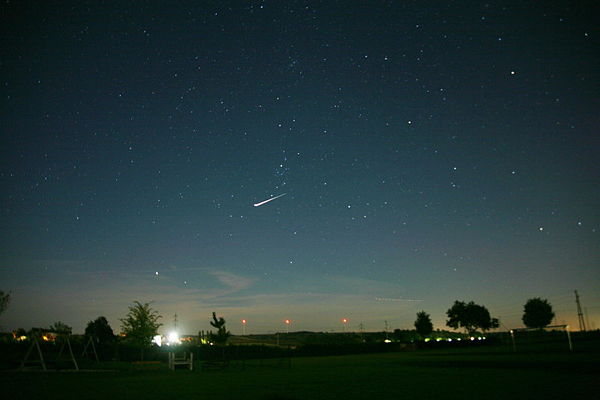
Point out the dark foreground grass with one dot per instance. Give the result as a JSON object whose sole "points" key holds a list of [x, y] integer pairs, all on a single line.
{"points": [[419, 375]]}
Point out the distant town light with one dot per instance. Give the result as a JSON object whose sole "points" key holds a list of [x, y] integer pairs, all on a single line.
{"points": [[173, 338]]}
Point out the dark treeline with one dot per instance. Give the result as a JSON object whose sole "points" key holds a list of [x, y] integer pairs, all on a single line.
{"points": [[306, 344]]}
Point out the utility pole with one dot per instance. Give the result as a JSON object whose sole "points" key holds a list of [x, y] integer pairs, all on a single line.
{"points": [[386, 329], [175, 322], [579, 313]]}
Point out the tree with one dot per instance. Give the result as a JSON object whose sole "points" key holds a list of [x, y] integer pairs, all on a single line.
{"points": [[102, 334], [222, 333], [423, 324], [100, 330], [61, 328], [4, 300], [19, 333], [470, 316], [537, 313], [141, 325]]}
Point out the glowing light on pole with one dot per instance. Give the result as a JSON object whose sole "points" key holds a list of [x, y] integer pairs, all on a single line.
{"points": [[173, 338], [244, 326], [344, 322], [287, 325]]}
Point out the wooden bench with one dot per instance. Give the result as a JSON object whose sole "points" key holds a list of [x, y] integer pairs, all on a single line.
{"points": [[182, 360]]}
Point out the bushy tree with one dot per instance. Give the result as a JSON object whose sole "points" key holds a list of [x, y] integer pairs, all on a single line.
{"points": [[19, 332], [102, 334], [470, 316], [61, 328], [141, 325], [537, 313], [36, 332], [222, 333], [423, 324], [4, 300], [100, 330]]}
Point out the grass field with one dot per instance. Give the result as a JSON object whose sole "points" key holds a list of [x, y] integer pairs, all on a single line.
{"points": [[410, 375]]}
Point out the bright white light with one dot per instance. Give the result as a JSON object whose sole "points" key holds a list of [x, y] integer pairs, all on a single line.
{"points": [[387, 341], [157, 340], [173, 337]]}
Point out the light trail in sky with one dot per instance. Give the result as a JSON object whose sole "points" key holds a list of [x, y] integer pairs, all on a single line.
{"points": [[268, 200]]}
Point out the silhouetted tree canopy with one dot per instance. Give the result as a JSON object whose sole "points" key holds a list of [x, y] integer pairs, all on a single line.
{"points": [[470, 316], [537, 313], [4, 300], [61, 328], [222, 333], [19, 332], [141, 325], [100, 329], [423, 324]]}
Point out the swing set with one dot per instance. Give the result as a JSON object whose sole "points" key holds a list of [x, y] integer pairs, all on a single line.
{"points": [[65, 355]]}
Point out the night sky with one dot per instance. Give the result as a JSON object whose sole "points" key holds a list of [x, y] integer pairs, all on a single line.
{"points": [[423, 152]]}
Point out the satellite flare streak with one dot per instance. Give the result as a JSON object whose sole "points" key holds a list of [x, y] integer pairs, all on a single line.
{"points": [[268, 200]]}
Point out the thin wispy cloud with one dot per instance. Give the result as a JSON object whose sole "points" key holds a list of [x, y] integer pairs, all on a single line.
{"points": [[119, 288], [232, 282]]}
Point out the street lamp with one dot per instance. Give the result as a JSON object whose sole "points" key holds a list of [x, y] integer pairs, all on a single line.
{"points": [[244, 327], [173, 338], [344, 322], [287, 325]]}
